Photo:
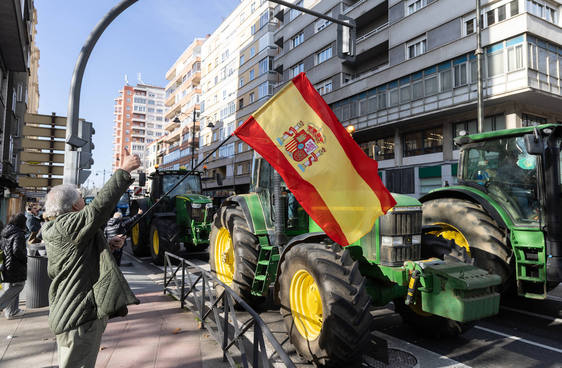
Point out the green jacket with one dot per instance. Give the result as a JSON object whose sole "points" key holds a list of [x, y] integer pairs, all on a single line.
{"points": [[86, 282]]}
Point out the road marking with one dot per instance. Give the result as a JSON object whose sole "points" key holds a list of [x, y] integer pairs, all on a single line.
{"points": [[543, 316], [520, 339], [552, 297]]}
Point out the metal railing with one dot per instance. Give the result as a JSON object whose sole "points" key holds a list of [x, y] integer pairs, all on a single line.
{"points": [[194, 287]]}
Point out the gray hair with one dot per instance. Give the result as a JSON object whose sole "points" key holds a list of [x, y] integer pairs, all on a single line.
{"points": [[60, 200]]}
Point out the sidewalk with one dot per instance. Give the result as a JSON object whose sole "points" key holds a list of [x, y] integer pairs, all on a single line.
{"points": [[156, 333]]}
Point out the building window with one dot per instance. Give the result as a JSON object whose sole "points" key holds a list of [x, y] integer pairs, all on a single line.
{"points": [[324, 87], [251, 76], [241, 59], [324, 55], [266, 64], [321, 24], [252, 52], [241, 82], [514, 7], [264, 89], [461, 72], [295, 70], [423, 142], [514, 58], [264, 18], [400, 180], [413, 6], [469, 26], [532, 120], [416, 47], [383, 149], [253, 29], [494, 60], [542, 10], [297, 40], [252, 97], [293, 13], [492, 123]]}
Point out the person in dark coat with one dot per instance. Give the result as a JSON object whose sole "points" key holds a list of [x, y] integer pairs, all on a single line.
{"points": [[117, 226], [14, 268], [33, 223]]}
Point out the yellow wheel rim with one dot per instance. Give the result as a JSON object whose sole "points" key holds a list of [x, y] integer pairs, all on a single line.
{"points": [[306, 305], [156, 242], [135, 234], [224, 257], [450, 232]]}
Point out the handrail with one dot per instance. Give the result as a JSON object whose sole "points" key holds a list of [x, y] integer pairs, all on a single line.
{"points": [[218, 320]]}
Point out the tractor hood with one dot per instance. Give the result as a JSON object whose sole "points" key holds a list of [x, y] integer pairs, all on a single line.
{"points": [[195, 198]]}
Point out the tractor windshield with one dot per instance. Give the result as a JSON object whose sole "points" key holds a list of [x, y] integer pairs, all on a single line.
{"points": [[509, 174], [191, 185]]}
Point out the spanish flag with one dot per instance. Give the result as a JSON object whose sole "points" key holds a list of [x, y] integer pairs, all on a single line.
{"points": [[336, 183]]}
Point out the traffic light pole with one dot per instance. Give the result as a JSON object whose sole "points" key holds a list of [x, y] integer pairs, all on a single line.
{"points": [[73, 142]]}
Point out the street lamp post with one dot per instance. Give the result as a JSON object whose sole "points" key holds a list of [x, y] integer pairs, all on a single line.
{"points": [[193, 140]]}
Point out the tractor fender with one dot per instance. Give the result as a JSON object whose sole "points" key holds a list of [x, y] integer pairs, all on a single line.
{"points": [[490, 208], [242, 202], [297, 240], [469, 196]]}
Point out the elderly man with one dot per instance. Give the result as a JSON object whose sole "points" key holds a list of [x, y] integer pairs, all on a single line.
{"points": [[87, 286]]}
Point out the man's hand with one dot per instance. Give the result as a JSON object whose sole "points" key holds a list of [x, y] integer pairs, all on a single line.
{"points": [[116, 242], [139, 212], [129, 162]]}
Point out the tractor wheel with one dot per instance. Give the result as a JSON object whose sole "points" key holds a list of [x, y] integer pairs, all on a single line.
{"points": [[233, 252], [470, 227], [138, 241], [325, 305], [430, 325], [161, 231]]}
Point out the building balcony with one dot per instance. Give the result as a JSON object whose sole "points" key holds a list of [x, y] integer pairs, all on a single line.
{"points": [[171, 125], [173, 137]]}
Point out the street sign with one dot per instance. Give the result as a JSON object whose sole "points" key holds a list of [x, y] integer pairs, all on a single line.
{"points": [[137, 191], [41, 169], [38, 119], [41, 144], [42, 157], [43, 132], [28, 182]]}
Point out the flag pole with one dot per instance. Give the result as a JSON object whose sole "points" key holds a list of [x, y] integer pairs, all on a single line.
{"points": [[178, 183]]}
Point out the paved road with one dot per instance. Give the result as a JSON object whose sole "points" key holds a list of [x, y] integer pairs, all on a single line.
{"points": [[526, 333]]}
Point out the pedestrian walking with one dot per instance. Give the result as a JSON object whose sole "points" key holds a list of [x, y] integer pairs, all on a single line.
{"points": [[87, 286], [14, 267], [117, 226]]}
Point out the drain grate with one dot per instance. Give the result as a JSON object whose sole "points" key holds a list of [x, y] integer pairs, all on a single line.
{"points": [[396, 359]]}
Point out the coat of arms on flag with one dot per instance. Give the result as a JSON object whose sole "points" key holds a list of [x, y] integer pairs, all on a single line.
{"points": [[336, 183]]}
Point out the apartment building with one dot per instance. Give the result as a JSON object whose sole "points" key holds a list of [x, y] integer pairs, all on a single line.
{"points": [[183, 95], [18, 66], [138, 120], [412, 86], [237, 78]]}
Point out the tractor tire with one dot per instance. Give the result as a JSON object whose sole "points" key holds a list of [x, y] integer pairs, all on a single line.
{"points": [[468, 223], [138, 241], [233, 252], [322, 283], [161, 231], [430, 325], [139, 232]]}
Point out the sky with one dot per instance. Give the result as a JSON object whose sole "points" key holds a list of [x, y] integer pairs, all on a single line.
{"points": [[146, 38]]}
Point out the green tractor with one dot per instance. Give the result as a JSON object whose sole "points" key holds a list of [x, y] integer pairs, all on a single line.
{"points": [[326, 291], [505, 213], [182, 217]]}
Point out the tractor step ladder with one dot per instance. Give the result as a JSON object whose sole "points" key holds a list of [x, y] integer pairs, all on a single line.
{"points": [[530, 264], [266, 268]]}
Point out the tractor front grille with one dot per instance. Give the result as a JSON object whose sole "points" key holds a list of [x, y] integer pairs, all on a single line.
{"points": [[198, 214]]}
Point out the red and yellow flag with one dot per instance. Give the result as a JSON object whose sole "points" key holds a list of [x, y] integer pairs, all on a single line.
{"points": [[336, 183]]}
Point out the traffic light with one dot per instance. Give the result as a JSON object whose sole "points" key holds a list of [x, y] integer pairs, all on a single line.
{"points": [[346, 39], [85, 132], [85, 160]]}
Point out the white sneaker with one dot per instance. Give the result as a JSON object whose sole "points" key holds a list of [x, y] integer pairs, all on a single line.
{"points": [[18, 314]]}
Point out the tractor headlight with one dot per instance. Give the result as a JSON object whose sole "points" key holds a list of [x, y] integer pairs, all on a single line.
{"points": [[209, 205], [416, 239], [392, 240], [196, 205]]}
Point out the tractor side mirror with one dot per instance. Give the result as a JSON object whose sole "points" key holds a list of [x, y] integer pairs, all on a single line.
{"points": [[533, 144], [219, 179], [142, 179]]}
